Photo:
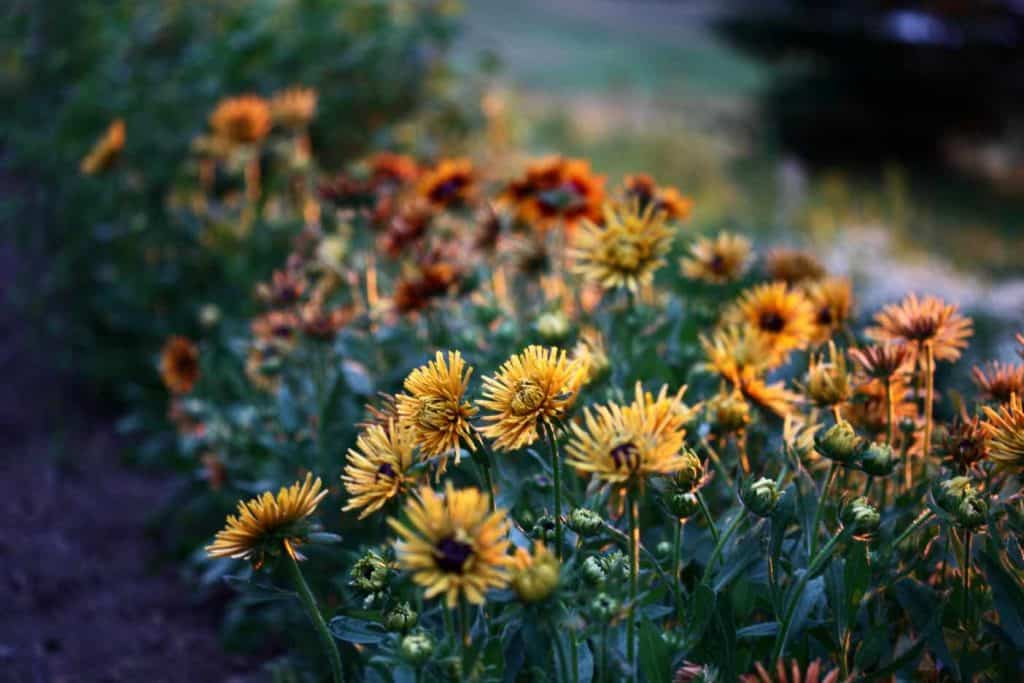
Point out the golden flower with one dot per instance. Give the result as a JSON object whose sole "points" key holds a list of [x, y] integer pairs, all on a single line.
{"points": [[376, 470], [554, 189], [883, 361], [722, 259], [454, 545], [433, 408], [782, 315], [625, 251], [828, 382], [106, 150], [728, 412], [293, 108], [1005, 429], [734, 350], [793, 266], [626, 444], [773, 397], [535, 576], [179, 365], [241, 120], [929, 320], [999, 381], [266, 522], [832, 302], [536, 386], [451, 182], [667, 200], [590, 349]]}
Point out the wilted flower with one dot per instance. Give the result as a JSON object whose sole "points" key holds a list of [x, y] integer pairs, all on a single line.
{"points": [[999, 381], [179, 365], [535, 576], [106, 150], [861, 518], [625, 251], [760, 496], [719, 260], [1005, 428], [839, 443], [924, 321]]}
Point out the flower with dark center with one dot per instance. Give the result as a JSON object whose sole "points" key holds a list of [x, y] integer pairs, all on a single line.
{"points": [[918, 321], [784, 316], [376, 470], [452, 554]]}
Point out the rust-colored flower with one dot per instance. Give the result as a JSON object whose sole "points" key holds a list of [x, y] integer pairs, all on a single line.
{"points": [[867, 409], [407, 227], [451, 183], [241, 120], [964, 443], [556, 189], [322, 323], [666, 200], [277, 327], [179, 365], [106, 150], [920, 321], [722, 259], [285, 288], [392, 170], [999, 381], [784, 316], [293, 108], [793, 266], [414, 292], [792, 672], [883, 361], [832, 301]]}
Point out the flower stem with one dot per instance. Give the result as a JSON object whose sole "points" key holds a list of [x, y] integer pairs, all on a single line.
{"points": [[929, 397], [549, 434], [486, 464], [890, 411], [634, 580], [914, 526], [707, 515], [965, 612], [309, 602], [677, 540], [720, 545], [821, 504]]}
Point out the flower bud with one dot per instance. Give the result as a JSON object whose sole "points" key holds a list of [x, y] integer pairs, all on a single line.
{"points": [[828, 384], [370, 573], [877, 459], [536, 575], [553, 326], [401, 618], [416, 648], [760, 496], [593, 571], [604, 607], [961, 502], [861, 517], [839, 443], [584, 522], [683, 505], [949, 492], [728, 413], [972, 512], [692, 471], [544, 528]]}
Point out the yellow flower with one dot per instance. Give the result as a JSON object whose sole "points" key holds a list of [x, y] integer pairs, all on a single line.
{"points": [[832, 302], [828, 382], [293, 108], [267, 522], [179, 365], [924, 321], [627, 444], [106, 150], [741, 356], [241, 120], [535, 576], [625, 251], [434, 410], [452, 182], [453, 544], [719, 260], [1005, 429], [377, 469], [783, 315], [537, 385]]}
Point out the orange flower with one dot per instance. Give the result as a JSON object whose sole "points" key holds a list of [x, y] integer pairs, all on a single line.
{"points": [[387, 168], [450, 183], [924, 321], [179, 365], [241, 120], [294, 108], [667, 200], [832, 301], [554, 189], [999, 381], [782, 315]]}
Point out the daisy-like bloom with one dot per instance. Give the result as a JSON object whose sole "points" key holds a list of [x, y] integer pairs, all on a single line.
{"points": [[241, 120], [556, 189], [668, 200], [535, 576], [415, 292], [293, 108], [450, 183], [919, 321], [322, 323], [722, 259], [266, 523], [828, 382], [106, 150], [793, 266], [964, 444], [782, 315], [794, 673], [1005, 429], [773, 397], [179, 365], [284, 289], [453, 544], [533, 387], [433, 407], [832, 302], [999, 381], [741, 355], [884, 361], [625, 251], [377, 469], [623, 445]]}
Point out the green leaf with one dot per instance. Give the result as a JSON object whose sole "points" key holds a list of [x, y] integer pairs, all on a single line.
{"points": [[764, 630], [655, 659], [257, 591], [360, 631], [702, 608], [1007, 595]]}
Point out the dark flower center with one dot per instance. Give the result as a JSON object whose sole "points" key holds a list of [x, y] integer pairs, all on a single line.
{"points": [[771, 321], [717, 264], [452, 554], [387, 470], [825, 316], [446, 190], [625, 456]]}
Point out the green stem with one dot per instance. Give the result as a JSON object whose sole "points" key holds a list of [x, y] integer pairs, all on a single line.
{"points": [[603, 670], [890, 412], [549, 434], [821, 505], [867, 485], [965, 614], [929, 398], [677, 540], [634, 581], [922, 518], [486, 464], [720, 545], [309, 602], [707, 515]]}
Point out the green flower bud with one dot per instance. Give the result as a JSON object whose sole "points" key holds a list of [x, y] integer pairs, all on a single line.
{"points": [[683, 505], [604, 607], [584, 522], [593, 571], [877, 459], [961, 502], [861, 517], [729, 413], [544, 528], [760, 496], [972, 512], [401, 618], [370, 573], [690, 474], [417, 648], [839, 443]]}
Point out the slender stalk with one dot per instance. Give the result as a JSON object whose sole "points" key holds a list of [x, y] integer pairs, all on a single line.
{"points": [[890, 412], [741, 445], [309, 602], [821, 505], [967, 579], [720, 545], [922, 518], [574, 662], [486, 464], [464, 624], [707, 515], [603, 655], [634, 581], [929, 396], [716, 461], [556, 469], [677, 540]]}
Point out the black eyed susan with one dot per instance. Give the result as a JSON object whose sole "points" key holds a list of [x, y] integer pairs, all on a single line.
{"points": [[555, 189], [106, 150], [433, 407], [783, 315], [267, 523], [531, 388], [453, 544], [1005, 429], [924, 321], [722, 259], [377, 469], [451, 183], [999, 381], [179, 365], [832, 302], [626, 251], [243, 120]]}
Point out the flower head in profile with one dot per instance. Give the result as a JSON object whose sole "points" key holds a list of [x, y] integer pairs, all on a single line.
{"points": [[531, 388], [453, 544], [793, 266], [293, 108], [535, 575], [179, 365], [451, 182], [626, 251], [106, 150], [555, 189], [266, 523], [377, 469], [997, 381], [242, 120], [433, 407], [791, 673], [828, 382], [919, 321], [832, 302], [722, 259], [590, 349], [626, 444], [1005, 428], [883, 361], [784, 316]]}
